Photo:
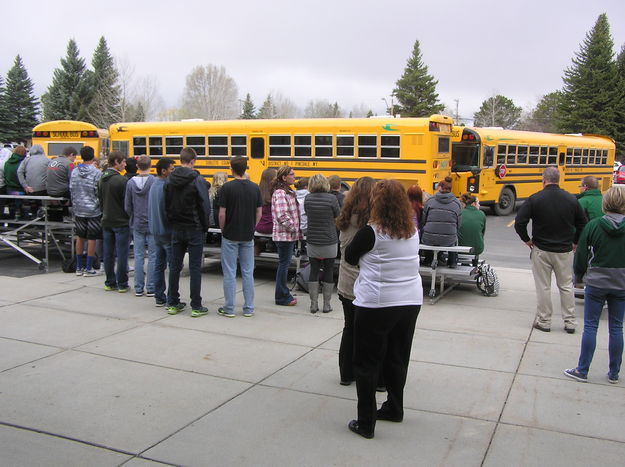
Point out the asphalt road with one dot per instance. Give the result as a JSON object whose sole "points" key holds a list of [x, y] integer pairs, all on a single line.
{"points": [[502, 245]]}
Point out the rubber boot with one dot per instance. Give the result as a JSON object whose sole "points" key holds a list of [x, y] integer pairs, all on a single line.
{"points": [[328, 288], [313, 292]]}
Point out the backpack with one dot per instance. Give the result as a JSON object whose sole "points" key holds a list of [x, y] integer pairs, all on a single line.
{"points": [[486, 280], [302, 277]]}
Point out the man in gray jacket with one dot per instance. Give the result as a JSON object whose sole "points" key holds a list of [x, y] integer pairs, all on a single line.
{"points": [[83, 186], [32, 175], [59, 171], [136, 206]]}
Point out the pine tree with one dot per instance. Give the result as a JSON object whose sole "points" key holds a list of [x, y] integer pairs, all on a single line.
{"points": [[589, 93], [4, 113], [105, 106], [268, 109], [498, 111], [69, 94], [619, 107], [544, 116], [416, 89], [21, 104], [248, 111]]}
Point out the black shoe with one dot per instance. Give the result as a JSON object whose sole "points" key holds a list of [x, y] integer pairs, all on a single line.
{"points": [[355, 427], [540, 328], [570, 330], [386, 416], [380, 389], [346, 382]]}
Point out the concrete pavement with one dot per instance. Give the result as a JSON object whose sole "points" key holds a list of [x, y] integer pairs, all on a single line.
{"points": [[89, 377]]}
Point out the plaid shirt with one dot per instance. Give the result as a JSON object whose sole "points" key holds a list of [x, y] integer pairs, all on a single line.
{"points": [[285, 213]]}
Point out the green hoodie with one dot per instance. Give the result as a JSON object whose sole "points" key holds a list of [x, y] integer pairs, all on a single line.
{"points": [[600, 253], [111, 191], [10, 172], [591, 201]]}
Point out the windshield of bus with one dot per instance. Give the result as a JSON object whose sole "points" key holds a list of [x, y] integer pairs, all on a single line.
{"points": [[465, 157]]}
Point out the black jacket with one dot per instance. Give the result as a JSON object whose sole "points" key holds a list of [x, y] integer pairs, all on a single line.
{"points": [[557, 219], [186, 200]]}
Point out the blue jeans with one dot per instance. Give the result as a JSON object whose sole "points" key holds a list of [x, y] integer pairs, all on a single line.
{"points": [[116, 244], [15, 205], [182, 241], [285, 253], [244, 251], [143, 241], [162, 260], [593, 305]]}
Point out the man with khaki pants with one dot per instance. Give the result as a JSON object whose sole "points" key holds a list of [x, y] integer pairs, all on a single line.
{"points": [[557, 222]]}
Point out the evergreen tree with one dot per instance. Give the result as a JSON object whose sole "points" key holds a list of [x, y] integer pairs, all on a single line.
{"points": [[268, 109], [4, 113], [69, 94], [590, 85], [21, 104], [370, 113], [105, 106], [248, 111], [544, 117], [416, 89], [619, 108], [498, 111]]}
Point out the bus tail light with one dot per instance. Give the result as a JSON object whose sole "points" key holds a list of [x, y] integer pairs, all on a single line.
{"points": [[435, 164]]}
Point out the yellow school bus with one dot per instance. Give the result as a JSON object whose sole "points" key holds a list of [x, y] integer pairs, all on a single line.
{"points": [[503, 166], [56, 135], [412, 150]]}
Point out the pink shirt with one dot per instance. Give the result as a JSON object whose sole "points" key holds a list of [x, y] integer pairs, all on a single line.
{"points": [[285, 212]]}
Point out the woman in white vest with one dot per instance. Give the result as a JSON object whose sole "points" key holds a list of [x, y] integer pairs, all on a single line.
{"points": [[388, 299]]}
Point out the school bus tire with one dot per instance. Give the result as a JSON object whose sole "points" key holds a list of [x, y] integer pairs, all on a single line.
{"points": [[505, 206]]}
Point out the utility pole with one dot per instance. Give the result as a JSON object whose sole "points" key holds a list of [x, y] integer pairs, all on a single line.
{"points": [[457, 101]]}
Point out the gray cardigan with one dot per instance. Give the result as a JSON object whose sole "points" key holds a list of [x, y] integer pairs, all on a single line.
{"points": [[441, 220], [321, 210]]}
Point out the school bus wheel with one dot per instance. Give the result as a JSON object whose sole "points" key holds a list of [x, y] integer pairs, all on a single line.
{"points": [[506, 202]]}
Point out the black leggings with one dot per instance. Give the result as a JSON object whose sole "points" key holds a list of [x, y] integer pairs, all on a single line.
{"points": [[327, 264]]}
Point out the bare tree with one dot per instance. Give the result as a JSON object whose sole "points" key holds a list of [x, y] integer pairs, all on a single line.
{"points": [[126, 72], [148, 97], [321, 108], [285, 107], [210, 93], [360, 110]]}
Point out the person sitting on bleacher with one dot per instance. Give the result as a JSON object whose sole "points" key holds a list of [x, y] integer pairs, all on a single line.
{"points": [[442, 216], [472, 226]]}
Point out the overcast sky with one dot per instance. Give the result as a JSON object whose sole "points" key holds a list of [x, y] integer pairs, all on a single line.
{"points": [[349, 51]]}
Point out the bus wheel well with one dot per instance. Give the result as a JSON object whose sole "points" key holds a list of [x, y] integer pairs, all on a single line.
{"points": [[507, 200]]}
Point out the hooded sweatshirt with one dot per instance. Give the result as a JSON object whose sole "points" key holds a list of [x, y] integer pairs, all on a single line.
{"points": [[591, 201], [59, 171], [136, 201], [11, 179], [32, 172], [111, 191], [442, 214], [186, 200], [157, 217], [83, 185], [600, 253]]}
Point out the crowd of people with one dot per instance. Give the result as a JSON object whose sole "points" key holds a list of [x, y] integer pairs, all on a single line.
{"points": [[375, 228]]}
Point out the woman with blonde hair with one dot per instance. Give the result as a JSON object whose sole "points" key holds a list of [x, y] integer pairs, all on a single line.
{"points": [[353, 217], [219, 180], [388, 299], [321, 209], [286, 230], [600, 260]]}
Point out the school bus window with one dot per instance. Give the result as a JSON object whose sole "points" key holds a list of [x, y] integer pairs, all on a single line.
{"points": [[511, 155], [238, 145], [533, 155], [173, 145], [553, 155], [389, 146], [323, 145], [121, 146], [577, 156], [303, 145], [569, 156], [522, 155], [139, 146], [501, 154], [443, 144], [279, 145], [217, 145], [156, 145], [591, 156], [367, 145], [345, 145], [198, 143], [543, 155], [604, 157], [585, 157]]}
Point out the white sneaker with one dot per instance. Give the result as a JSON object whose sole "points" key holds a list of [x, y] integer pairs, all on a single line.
{"points": [[91, 273], [80, 272]]}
